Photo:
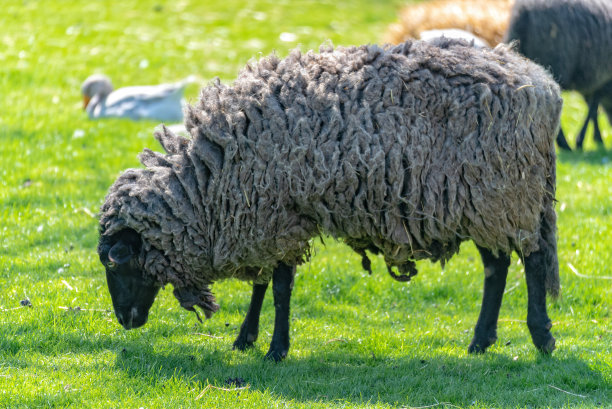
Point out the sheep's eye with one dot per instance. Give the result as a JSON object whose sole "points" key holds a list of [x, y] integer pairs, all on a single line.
{"points": [[111, 264]]}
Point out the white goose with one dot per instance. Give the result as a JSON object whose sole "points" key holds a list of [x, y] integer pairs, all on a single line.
{"points": [[163, 102], [432, 35]]}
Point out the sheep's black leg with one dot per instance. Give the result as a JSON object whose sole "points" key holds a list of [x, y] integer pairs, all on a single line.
{"points": [[593, 103], [596, 131], [496, 270], [537, 319], [282, 284], [250, 327], [562, 142]]}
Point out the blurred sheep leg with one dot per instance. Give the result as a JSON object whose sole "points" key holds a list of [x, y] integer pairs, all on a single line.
{"points": [[593, 103], [496, 270], [282, 284], [561, 141]]}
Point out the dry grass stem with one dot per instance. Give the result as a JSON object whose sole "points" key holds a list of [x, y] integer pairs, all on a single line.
{"points": [[432, 406], [208, 335], [575, 271], [208, 387], [335, 340], [569, 393]]}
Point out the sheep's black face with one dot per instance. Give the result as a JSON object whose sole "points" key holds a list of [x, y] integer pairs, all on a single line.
{"points": [[131, 292]]}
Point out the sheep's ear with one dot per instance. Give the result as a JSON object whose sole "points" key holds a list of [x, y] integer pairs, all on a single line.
{"points": [[126, 247], [120, 253]]}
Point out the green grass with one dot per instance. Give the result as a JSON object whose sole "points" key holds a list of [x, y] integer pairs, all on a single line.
{"points": [[357, 340]]}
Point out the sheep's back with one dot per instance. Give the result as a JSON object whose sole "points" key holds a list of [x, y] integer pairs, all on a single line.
{"points": [[410, 150], [432, 147]]}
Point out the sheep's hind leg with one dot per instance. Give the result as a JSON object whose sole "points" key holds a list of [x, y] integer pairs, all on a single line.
{"points": [[496, 270], [562, 142], [282, 284], [250, 327], [537, 319], [593, 103]]}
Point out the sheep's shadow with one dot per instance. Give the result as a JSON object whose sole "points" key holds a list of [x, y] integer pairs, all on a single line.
{"points": [[340, 375], [600, 156], [335, 372]]}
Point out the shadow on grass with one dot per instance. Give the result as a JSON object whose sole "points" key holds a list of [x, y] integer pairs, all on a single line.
{"points": [[600, 156], [493, 380], [341, 375]]}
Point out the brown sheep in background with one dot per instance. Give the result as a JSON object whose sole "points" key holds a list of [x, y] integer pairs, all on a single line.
{"points": [[488, 19]]}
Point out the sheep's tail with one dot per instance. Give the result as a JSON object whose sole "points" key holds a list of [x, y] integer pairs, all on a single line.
{"points": [[548, 230], [548, 245]]}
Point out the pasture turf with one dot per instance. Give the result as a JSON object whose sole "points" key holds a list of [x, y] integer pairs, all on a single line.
{"points": [[357, 340]]}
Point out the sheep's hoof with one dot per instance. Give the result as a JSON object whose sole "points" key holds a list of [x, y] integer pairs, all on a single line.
{"points": [[548, 346], [481, 342], [541, 336], [242, 344], [276, 356], [244, 341], [475, 348]]}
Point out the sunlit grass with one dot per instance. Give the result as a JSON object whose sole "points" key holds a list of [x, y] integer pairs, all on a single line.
{"points": [[357, 340]]}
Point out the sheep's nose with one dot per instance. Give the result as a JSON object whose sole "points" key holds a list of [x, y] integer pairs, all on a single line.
{"points": [[127, 319], [119, 317]]}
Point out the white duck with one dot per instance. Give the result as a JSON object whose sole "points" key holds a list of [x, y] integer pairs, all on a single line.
{"points": [[431, 35], [163, 102]]}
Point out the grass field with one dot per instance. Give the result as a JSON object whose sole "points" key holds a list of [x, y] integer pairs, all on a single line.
{"points": [[357, 340]]}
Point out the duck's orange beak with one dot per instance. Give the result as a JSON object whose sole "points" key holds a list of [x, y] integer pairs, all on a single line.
{"points": [[86, 100]]}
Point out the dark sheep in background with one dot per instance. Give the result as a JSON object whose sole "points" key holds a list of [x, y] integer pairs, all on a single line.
{"points": [[573, 39], [404, 151]]}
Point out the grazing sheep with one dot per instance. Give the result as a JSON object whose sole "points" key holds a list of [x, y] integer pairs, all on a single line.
{"points": [[403, 151], [573, 39], [487, 19]]}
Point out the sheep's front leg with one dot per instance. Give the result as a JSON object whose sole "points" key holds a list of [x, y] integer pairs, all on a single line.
{"points": [[496, 271], [250, 327], [282, 284], [537, 319]]}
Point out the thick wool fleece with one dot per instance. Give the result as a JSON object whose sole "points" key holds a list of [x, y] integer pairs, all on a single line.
{"points": [[572, 38], [405, 151]]}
